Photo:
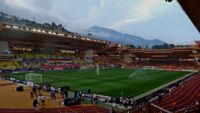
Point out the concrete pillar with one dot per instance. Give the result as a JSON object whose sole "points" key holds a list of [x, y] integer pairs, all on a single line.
{"points": [[127, 58], [197, 59], [4, 48], [89, 56]]}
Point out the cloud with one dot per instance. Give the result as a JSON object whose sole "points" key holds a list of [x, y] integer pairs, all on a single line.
{"points": [[102, 3], [144, 10], [95, 11], [43, 4], [118, 14], [33, 5], [22, 9]]}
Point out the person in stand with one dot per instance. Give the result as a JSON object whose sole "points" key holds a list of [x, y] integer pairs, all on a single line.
{"points": [[174, 106], [45, 87], [34, 90], [31, 94], [160, 98], [36, 105], [61, 100], [39, 90], [53, 95], [170, 91], [198, 96], [96, 99], [182, 85], [112, 109], [42, 100]]}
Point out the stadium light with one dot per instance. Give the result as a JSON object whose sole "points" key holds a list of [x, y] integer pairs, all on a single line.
{"points": [[15, 27], [44, 31], [54, 33], [27, 29], [39, 30], [69, 36], [61, 34], [33, 30], [8, 26], [49, 32]]}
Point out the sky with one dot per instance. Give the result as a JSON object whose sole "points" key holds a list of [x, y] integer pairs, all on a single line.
{"points": [[150, 19]]}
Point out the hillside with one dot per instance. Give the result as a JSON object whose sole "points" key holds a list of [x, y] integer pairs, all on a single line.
{"points": [[121, 38]]}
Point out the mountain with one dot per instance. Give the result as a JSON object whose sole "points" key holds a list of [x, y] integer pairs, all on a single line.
{"points": [[6, 18], [121, 38], [97, 32]]}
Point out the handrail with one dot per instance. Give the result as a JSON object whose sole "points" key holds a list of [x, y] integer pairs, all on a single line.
{"points": [[158, 107]]}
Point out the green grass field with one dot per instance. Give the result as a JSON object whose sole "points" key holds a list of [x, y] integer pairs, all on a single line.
{"points": [[111, 82]]}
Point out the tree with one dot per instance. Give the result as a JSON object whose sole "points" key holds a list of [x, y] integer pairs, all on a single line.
{"points": [[139, 47], [132, 46], [156, 47], [171, 45], [60, 25], [164, 46]]}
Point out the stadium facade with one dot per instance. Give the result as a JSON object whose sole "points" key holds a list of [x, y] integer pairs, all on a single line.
{"points": [[18, 40]]}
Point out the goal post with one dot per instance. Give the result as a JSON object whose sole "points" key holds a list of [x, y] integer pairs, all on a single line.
{"points": [[33, 77]]}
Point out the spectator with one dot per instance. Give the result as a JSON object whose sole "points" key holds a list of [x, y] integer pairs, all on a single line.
{"points": [[160, 98], [34, 90], [96, 99], [112, 109], [61, 100], [198, 96], [53, 95], [170, 90], [39, 90], [31, 94], [42, 100], [174, 106], [36, 105], [45, 87]]}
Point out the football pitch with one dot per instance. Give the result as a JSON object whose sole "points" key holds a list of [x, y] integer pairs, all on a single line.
{"points": [[111, 82]]}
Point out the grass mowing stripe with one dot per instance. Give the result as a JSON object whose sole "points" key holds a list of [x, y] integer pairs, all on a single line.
{"points": [[111, 82]]}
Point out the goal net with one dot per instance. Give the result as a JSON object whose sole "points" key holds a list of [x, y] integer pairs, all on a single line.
{"points": [[33, 77]]}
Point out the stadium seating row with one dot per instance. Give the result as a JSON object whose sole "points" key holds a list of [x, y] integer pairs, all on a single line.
{"points": [[9, 65], [165, 64], [185, 96]]}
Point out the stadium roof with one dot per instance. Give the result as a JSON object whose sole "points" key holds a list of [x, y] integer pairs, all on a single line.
{"points": [[192, 9], [183, 52], [32, 37]]}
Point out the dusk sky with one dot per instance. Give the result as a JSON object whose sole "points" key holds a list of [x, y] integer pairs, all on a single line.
{"points": [[149, 19]]}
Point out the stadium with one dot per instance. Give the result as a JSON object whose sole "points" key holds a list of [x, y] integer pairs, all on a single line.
{"points": [[80, 74]]}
